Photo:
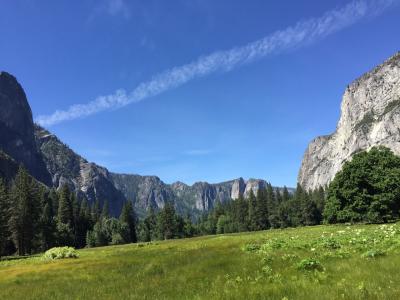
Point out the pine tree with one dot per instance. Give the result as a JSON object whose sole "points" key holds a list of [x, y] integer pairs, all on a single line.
{"points": [[82, 224], [167, 221], [25, 211], [252, 217], [95, 211], [273, 206], [278, 196], [189, 229], [241, 214], [105, 212], [65, 207], [285, 194], [4, 216], [262, 210], [47, 222], [150, 223], [128, 216]]}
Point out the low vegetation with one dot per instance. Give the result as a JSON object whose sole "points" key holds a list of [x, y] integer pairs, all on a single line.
{"points": [[318, 262], [60, 253]]}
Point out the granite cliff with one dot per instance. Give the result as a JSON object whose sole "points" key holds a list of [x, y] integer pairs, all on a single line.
{"points": [[370, 116]]}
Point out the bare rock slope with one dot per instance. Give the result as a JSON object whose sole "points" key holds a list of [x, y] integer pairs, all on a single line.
{"points": [[370, 116]]}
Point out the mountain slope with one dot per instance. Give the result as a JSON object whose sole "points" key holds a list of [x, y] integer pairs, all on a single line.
{"points": [[370, 116], [16, 128], [52, 162]]}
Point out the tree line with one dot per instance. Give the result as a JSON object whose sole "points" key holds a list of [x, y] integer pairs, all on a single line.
{"points": [[269, 208], [34, 218]]}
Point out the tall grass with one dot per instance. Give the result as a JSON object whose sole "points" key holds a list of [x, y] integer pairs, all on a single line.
{"points": [[321, 262]]}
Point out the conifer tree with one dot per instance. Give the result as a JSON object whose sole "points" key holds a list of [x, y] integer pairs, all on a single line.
{"points": [[4, 216], [128, 216], [65, 208], [262, 210], [96, 211], [167, 221], [25, 211], [241, 214], [47, 222], [285, 194], [105, 211], [252, 217]]}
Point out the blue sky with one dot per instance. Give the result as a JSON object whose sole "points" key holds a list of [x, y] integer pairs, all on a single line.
{"points": [[250, 119]]}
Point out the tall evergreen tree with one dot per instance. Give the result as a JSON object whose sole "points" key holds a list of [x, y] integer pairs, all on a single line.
{"points": [[82, 224], [25, 211], [65, 207], [167, 221], [262, 210], [285, 194], [105, 211], [47, 222], [96, 211], [4, 216], [252, 216], [128, 216], [241, 214]]}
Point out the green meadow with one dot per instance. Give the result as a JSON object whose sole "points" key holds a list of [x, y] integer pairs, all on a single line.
{"points": [[320, 262]]}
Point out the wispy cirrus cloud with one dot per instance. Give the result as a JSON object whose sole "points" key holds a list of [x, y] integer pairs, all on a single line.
{"points": [[303, 33], [112, 8]]}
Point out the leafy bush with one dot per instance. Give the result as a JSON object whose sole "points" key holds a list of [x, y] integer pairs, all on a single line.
{"points": [[330, 243], [373, 253], [367, 189], [310, 264], [251, 247], [61, 252]]}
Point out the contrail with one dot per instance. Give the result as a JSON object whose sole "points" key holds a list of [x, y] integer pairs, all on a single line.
{"points": [[302, 33]]}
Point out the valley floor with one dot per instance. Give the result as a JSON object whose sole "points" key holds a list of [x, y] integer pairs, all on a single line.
{"points": [[321, 262]]}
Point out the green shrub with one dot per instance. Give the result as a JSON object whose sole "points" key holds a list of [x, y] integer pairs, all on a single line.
{"points": [[373, 253], [251, 247], [310, 264], [61, 252], [330, 243]]}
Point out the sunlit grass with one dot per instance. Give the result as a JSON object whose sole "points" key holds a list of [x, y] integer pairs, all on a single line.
{"points": [[356, 262]]}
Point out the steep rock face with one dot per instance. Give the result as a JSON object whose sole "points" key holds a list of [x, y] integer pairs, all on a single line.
{"points": [[16, 128], [370, 116], [238, 188], [254, 185], [144, 191], [86, 179]]}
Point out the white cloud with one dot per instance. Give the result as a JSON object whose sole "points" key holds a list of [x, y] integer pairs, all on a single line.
{"points": [[117, 7], [302, 33], [112, 8]]}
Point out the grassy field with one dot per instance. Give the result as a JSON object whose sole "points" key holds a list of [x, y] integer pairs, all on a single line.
{"points": [[321, 262]]}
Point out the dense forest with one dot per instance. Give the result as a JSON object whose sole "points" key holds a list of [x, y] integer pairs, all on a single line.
{"points": [[34, 218]]}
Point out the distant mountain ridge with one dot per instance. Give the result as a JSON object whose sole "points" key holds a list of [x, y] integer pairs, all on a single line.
{"points": [[53, 163]]}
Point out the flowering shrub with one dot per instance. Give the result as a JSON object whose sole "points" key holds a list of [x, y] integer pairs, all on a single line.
{"points": [[61, 252], [310, 264]]}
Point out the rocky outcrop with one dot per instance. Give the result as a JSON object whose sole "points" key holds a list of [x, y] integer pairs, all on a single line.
{"points": [[86, 179], [16, 128], [254, 185], [370, 116]]}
